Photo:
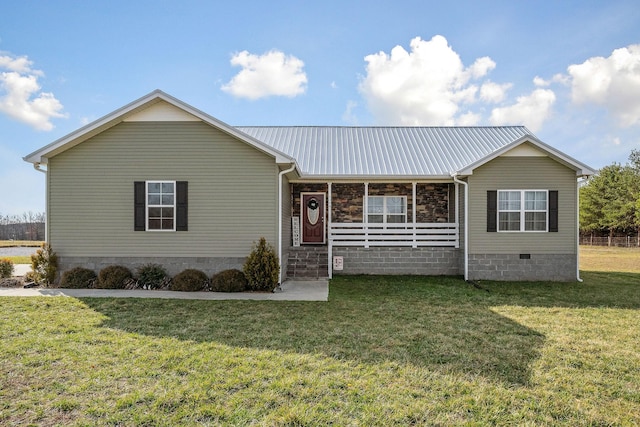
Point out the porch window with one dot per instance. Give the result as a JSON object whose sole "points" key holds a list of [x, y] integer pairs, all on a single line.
{"points": [[387, 209], [522, 210]]}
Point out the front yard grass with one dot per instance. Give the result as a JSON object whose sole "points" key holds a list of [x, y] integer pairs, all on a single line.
{"points": [[382, 351]]}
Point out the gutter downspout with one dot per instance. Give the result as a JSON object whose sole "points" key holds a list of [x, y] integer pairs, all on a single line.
{"points": [[578, 231], [280, 175], [36, 166], [466, 223]]}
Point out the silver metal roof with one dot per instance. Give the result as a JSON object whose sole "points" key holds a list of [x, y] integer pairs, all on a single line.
{"points": [[385, 151]]}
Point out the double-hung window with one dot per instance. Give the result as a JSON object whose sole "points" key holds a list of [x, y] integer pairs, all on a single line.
{"points": [[387, 209], [161, 205], [523, 210]]}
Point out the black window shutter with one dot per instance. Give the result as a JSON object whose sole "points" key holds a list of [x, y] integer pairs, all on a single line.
{"points": [[492, 211], [182, 199], [139, 205], [553, 211]]}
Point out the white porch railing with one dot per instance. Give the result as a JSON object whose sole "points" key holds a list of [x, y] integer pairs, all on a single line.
{"points": [[406, 234]]}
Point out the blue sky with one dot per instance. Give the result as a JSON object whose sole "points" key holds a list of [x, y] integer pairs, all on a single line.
{"points": [[568, 70]]}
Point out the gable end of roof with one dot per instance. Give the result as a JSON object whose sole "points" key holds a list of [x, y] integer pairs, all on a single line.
{"points": [[41, 155], [580, 168]]}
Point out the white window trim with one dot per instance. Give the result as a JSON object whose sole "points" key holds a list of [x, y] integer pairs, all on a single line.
{"points": [[522, 212], [384, 209], [147, 205]]}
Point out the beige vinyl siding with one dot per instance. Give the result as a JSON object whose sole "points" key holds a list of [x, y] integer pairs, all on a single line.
{"points": [[232, 192], [522, 173]]}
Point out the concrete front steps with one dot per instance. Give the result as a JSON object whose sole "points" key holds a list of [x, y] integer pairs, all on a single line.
{"points": [[308, 263]]}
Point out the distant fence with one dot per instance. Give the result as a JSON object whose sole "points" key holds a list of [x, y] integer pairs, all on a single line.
{"points": [[619, 241]]}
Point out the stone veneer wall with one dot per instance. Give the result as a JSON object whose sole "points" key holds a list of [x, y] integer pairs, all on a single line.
{"points": [[432, 203], [304, 188], [429, 261], [348, 200], [173, 265], [540, 267]]}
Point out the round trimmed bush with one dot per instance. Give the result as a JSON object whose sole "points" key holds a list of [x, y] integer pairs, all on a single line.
{"points": [[229, 281], [152, 276], [189, 280], [113, 277], [77, 278]]}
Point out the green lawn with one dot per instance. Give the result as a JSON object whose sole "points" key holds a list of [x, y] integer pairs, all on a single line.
{"points": [[382, 351]]}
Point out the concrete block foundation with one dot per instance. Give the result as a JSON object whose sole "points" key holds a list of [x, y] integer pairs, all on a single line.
{"points": [[427, 261], [173, 265], [530, 267]]}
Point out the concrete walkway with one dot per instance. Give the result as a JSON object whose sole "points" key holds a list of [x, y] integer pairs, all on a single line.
{"points": [[20, 270], [316, 290], [292, 290]]}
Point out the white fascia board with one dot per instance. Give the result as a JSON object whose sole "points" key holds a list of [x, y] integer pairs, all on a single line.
{"points": [[112, 119], [580, 168], [375, 178]]}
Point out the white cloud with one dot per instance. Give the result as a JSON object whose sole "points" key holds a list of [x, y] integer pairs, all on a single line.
{"points": [[494, 92], [540, 82], [348, 116], [20, 95], [612, 82], [271, 74], [425, 86], [469, 119], [531, 110]]}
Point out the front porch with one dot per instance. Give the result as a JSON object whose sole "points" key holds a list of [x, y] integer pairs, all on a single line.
{"points": [[374, 228]]}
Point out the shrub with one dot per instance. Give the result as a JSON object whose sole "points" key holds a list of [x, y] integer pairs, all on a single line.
{"points": [[6, 268], [77, 278], [229, 281], [262, 268], [113, 277], [190, 280], [44, 265], [152, 276]]}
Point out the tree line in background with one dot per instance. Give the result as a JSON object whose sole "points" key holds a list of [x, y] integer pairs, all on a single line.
{"points": [[28, 226], [610, 201]]}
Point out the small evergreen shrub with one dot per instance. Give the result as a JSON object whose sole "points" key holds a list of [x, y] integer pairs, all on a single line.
{"points": [[78, 278], [6, 268], [113, 277], [229, 281], [44, 265], [189, 280], [152, 276], [262, 268]]}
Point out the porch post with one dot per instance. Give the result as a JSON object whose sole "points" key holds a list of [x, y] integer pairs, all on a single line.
{"points": [[365, 214], [330, 235], [413, 210]]}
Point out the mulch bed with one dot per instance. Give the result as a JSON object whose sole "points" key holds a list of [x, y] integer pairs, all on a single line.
{"points": [[12, 282]]}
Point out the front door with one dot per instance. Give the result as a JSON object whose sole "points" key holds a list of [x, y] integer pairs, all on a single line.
{"points": [[312, 208]]}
